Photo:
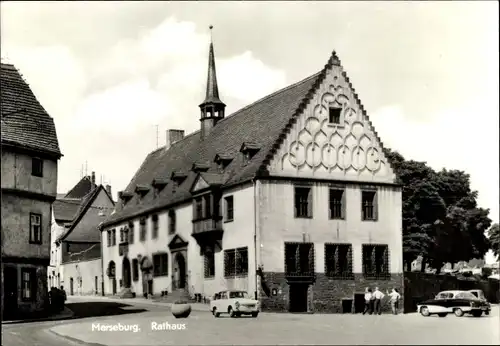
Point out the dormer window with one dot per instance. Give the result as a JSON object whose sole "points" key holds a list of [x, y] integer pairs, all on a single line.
{"points": [[141, 190], [125, 196], [335, 115], [200, 167], [223, 160], [159, 184], [178, 177], [249, 149]]}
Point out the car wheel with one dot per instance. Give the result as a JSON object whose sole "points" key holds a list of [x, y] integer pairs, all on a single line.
{"points": [[443, 314], [255, 314], [477, 313], [486, 313], [424, 311], [215, 313], [231, 312], [458, 312]]}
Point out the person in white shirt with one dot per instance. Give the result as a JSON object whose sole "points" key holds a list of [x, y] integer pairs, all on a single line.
{"points": [[368, 301], [395, 297], [378, 296]]}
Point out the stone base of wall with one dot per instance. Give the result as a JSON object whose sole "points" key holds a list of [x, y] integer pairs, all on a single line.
{"points": [[325, 295]]}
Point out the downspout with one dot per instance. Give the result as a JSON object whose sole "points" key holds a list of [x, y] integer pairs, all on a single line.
{"points": [[102, 262], [255, 236]]}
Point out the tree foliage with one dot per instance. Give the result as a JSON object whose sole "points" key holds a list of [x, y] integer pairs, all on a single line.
{"points": [[441, 219], [494, 237]]}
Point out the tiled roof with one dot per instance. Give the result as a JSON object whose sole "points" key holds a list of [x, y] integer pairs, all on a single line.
{"points": [[65, 209], [24, 121], [90, 233], [260, 123], [81, 189]]}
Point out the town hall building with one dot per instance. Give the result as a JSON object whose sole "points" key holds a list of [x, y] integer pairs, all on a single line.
{"points": [[290, 199]]}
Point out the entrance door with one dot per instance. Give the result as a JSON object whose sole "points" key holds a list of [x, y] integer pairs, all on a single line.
{"points": [[180, 271], [96, 285], [127, 275], [71, 286], [10, 290], [298, 297], [114, 286]]}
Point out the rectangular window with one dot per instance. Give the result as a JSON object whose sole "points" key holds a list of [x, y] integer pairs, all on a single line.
{"points": [[160, 265], [135, 269], [29, 284], [229, 208], [299, 259], [242, 261], [198, 211], [154, 221], [113, 237], [376, 261], [369, 205], [131, 235], [207, 199], [209, 259], [334, 115], [143, 230], [338, 261], [122, 233], [337, 204], [303, 202], [35, 228], [230, 263], [171, 222], [109, 238], [37, 167]]}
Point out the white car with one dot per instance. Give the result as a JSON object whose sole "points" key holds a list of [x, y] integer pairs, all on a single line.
{"points": [[235, 303], [455, 302]]}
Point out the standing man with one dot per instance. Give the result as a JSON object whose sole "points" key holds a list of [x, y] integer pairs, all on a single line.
{"points": [[368, 301], [395, 297], [378, 301]]}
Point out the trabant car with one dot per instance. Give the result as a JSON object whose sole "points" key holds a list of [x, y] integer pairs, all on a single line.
{"points": [[235, 303], [456, 302], [480, 295]]}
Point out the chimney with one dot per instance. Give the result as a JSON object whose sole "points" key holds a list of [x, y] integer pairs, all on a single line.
{"points": [[93, 178], [174, 136], [108, 190]]}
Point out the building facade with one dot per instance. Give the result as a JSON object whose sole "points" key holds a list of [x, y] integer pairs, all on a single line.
{"points": [[76, 248], [290, 199], [30, 153]]}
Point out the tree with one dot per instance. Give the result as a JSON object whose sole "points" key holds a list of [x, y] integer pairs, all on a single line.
{"points": [[494, 238], [441, 220]]}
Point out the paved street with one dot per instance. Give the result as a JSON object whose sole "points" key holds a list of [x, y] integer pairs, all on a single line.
{"points": [[201, 328]]}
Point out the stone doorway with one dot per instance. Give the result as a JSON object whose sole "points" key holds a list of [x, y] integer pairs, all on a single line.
{"points": [[10, 290], [298, 301], [126, 273], [180, 271]]}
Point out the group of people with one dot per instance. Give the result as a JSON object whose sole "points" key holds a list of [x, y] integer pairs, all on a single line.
{"points": [[373, 301], [57, 297]]}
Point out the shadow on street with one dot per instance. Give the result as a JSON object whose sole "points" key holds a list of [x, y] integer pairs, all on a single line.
{"points": [[97, 309]]}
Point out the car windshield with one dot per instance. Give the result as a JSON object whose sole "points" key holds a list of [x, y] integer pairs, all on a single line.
{"points": [[238, 294], [465, 295], [444, 295]]}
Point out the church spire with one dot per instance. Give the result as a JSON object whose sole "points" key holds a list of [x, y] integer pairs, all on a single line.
{"points": [[212, 109]]}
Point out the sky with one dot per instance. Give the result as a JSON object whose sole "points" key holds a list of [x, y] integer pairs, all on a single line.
{"points": [[116, 75]]}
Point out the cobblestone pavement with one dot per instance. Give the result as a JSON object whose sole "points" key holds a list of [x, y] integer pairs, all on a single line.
{"points": [[201, 328]]}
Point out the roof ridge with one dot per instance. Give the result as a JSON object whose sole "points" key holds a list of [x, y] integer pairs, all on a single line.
{"points": [[242, 109]]}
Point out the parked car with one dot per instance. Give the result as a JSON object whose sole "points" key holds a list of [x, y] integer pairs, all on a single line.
{"points": [[456, 302], [235, 303], [480, 295]]}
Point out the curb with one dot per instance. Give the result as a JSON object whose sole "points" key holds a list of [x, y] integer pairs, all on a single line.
{"points": [[77, 341]]}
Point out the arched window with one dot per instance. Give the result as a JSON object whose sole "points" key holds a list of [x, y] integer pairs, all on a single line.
{"points": [[111, 269]]}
